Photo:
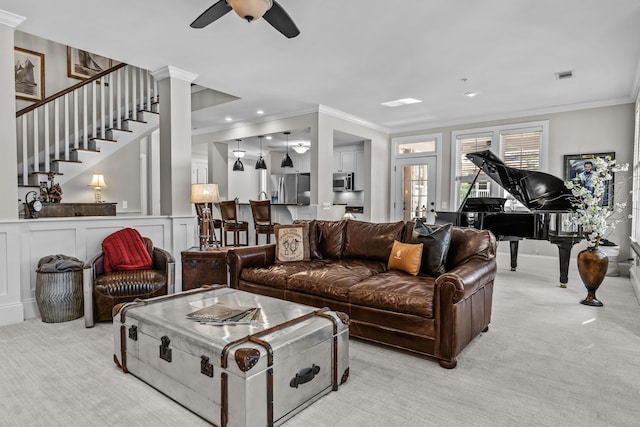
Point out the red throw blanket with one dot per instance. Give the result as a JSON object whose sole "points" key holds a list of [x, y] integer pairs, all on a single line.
{"points": [[125, 250]]}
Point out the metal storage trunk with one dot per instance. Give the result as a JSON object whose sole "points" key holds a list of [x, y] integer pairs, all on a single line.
{"points": [[254, 374]]}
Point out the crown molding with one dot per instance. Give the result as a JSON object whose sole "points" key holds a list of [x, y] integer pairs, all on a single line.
{"points": [[173, 72], [10, 19], [323, 109], [472, 120], [635, 88]]}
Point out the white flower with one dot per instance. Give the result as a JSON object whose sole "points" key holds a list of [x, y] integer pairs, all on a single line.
{"points": [[591, 214]]}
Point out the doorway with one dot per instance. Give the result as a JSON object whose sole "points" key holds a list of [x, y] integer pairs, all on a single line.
{"points": [[415, 188]]}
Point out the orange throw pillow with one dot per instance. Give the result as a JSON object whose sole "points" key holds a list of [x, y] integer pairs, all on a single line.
{"points": [[405, 257]]}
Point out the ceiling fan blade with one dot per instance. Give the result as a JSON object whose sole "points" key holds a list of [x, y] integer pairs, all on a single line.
{"points": [[281, 21], [216, 11]]}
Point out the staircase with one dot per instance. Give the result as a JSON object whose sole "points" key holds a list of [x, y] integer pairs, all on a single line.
{"points": [[69, 132]]}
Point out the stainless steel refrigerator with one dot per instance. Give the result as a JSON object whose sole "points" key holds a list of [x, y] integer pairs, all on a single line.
{"points": [[293, 188]]}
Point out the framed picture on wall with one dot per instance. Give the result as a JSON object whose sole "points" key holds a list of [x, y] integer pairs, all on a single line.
{"points": [[29, 74], [83, 65], [578, 167]]}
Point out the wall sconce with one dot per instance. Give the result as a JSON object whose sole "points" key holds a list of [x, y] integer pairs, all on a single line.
{"points": [[97, 182], [203, 196]]}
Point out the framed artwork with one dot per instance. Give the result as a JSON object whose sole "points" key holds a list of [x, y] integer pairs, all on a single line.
{"points": [[83, 65], [577, 168], [29, 74]]}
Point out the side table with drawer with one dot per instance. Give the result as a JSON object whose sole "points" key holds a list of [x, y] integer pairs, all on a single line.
{"points": [[204, 267]]}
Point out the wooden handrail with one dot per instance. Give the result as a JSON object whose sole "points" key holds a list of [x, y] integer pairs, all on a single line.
{"points": [[69, 89]]}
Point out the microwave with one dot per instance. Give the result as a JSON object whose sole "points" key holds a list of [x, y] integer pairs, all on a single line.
{"points": [[343, 181]]}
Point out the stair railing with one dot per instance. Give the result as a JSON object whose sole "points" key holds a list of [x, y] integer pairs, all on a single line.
{"points": [[52, 129]]}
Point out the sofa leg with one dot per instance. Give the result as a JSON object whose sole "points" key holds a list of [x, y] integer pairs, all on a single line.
{"points": [[486, 329], [448, 364]]}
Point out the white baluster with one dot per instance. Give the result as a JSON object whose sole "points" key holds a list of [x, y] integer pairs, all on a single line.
{"points": [[103, 118], [126, 93], [148, 103], [94, 113], [111, 77], [66, 126], [85, 124], [76, 126], [56, 129], [25, 149], [119, 100], [36, 142], [134, 92], [45, 119]]}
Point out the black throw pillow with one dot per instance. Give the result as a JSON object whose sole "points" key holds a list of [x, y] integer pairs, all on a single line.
{"points": [[435, 240]]}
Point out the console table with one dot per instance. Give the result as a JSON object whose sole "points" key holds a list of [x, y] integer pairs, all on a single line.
{"points": [[51, 210]]}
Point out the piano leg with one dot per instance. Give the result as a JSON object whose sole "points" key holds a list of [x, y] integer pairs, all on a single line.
{"points": [[513, 249], [564, 249]]}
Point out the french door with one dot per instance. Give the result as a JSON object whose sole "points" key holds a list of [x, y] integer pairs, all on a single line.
{"points": [[415, 188]]}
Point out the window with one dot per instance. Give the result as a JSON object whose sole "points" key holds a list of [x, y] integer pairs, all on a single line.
{"points": [[520, 146], [417, 144]]}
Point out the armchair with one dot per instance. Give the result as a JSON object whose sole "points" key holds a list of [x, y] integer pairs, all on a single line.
{"points": [[107, 288]]}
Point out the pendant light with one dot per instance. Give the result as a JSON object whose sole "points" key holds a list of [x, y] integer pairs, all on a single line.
{"points": [[238, 166], [260, 164], [286, 160]]}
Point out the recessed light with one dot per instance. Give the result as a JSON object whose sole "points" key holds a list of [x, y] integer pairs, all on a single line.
{"points": [[260, 112], [470, 94], [269, 138], [399, 102], [228, 119]]}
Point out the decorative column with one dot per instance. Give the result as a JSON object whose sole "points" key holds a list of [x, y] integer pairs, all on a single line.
{"points": [[175, 140], [9, 158]]}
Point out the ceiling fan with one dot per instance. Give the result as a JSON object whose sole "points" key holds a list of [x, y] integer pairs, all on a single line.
{"points": [[250, 10]]}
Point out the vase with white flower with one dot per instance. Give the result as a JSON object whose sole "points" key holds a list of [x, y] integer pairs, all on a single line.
{"points": [[590, 197]]}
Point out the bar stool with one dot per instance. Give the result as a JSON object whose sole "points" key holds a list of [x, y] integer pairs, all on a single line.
{"points": [[229, 212], [261, 211]]}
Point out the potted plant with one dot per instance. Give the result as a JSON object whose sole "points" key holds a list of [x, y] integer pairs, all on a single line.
{"points": [[595, 217]]}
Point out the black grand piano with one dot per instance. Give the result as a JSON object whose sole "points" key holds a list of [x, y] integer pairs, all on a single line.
{"points": [[543, 194]]}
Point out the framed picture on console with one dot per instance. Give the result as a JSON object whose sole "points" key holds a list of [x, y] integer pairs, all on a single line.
{"points": [[29, 74], [577, 165], [83, 65]]}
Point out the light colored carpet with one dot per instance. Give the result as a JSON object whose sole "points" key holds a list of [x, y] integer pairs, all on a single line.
{"points": [[546, 361]]}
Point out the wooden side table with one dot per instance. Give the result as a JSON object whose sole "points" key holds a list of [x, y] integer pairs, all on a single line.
{"points": [[206, 267]]}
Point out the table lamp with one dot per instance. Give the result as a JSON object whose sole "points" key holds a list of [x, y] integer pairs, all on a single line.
{"points": [[97, 182], [203, 196]]}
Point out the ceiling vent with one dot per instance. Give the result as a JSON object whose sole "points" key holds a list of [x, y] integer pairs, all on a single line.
{"points": [[564, 75]]}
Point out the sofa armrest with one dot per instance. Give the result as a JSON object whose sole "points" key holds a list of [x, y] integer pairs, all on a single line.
{"points": [[165, 262], [467, 278], [251, 256]]}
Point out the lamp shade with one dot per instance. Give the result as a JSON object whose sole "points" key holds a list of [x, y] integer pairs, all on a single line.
{"points": [[205, 193], [97, 181], [261, 164], [250, 9], [238, 166]]}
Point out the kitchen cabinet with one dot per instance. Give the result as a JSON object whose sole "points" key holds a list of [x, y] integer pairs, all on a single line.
{"points": [[301, 162], [360, 171], [343, 161]]}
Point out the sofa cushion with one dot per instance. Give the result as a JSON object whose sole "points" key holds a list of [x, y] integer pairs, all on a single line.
{"points": [[292, 242], [470, 243], [276, 275], [370, 240], [331, 238], [314, 251], [395, 291], [405, 257], [330, 281], [436, 240]]}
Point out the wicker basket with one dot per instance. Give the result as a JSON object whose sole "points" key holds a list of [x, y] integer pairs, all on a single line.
{"points": [[59, 296]]}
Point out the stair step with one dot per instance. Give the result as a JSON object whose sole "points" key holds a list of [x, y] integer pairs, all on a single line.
{"points": [[102, 140], [87, 150], [28, 186], [135, 121], [65, 161], [45, 173]]}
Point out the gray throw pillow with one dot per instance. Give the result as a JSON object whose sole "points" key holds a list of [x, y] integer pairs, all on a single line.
{"points": [[435, 240]]}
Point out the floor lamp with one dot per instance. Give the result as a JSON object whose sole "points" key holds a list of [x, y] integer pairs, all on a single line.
{"points": [[203, 196]]}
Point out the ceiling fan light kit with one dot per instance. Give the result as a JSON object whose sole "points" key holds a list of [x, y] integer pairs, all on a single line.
{"points": [[250, 10]]}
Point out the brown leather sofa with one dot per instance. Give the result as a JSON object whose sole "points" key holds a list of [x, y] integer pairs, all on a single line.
{"points": [[433, 316]]}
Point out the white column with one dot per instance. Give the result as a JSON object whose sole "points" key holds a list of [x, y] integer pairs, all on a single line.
{"points": [[9, 158], [175, 140]]}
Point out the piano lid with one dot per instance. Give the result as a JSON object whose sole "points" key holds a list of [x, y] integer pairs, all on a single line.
{"points": [[536, 190]]}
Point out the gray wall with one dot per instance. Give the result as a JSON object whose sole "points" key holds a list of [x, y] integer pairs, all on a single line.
{"points": [[593, 130]]}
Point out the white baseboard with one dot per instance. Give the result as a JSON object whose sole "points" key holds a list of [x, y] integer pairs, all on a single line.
{"points": [[30, 309], [634, 277], [11, 313]]}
